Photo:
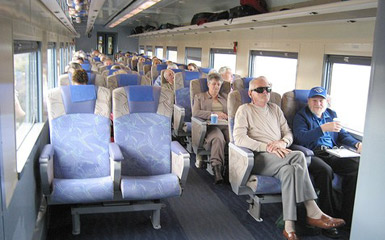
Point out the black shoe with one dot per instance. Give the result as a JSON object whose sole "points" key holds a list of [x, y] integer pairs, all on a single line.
{"points": [[331, 233], [218, 174]]}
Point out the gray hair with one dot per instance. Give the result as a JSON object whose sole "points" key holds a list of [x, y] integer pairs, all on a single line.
{"points": [[74, 66], [172, 66], [215, 76], [252, 82], [223, 70]]}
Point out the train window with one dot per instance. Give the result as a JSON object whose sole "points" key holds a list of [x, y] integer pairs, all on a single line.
{"points": [[51, 70], [193, 55], [264, 63], [347, 80], [26, 87], [62, 59], [159, 52], [172, 54], [149, 51], [141, 49], [222, 57]]}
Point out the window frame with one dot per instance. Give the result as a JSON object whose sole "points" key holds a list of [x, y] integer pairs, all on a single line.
{"points": [[156, 51], [331, 59], [221, 51], [190, 52], [52, 46], [141, 48], [171, 48]]}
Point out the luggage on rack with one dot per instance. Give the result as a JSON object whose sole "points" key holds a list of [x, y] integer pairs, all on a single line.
{"points": [[167, 26], [241, 11], [200, 18], [258, 5]]}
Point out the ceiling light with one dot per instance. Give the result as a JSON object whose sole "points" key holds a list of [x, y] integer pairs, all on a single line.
{"points": [[143, 6]]}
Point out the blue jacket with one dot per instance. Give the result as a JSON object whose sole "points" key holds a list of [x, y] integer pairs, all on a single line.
{"points": [[308, 133]]}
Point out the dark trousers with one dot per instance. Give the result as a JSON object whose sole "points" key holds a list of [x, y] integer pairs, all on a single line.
{"points": [[322, 171]]}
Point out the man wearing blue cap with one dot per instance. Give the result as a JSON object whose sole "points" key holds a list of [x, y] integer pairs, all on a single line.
{"points": [[314, 128]]}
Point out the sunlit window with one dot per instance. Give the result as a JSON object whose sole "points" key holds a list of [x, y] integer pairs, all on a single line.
{"points": [[62, 59], [279, 68], [26, 87], [348, 82], [223, 57], [149, 51], [159, 52], [141, 50], [172, 54], [194, 55], [51, 70]]}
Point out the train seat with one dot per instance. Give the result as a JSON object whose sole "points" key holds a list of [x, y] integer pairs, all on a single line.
{"points": [[121, 80], [199, 126], [93, 79], [261, 189], [155, 71], [182, 106], [292, 102], [75, 166], [154, 167]]}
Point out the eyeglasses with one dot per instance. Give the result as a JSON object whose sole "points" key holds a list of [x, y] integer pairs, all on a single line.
{"points": [[262, 89]]}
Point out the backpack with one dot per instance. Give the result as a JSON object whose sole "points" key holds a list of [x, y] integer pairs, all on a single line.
{"points": [[258, 5], [200, 18], [241, 11]]}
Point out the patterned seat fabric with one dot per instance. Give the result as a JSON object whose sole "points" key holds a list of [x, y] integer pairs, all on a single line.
{"points": [[142, 129], [122, 80], [80, 136]]}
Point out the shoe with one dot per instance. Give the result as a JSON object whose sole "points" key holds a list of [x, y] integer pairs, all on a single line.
{"points": [[218, 174], [290, 236], [325, 222], [331, 233]]}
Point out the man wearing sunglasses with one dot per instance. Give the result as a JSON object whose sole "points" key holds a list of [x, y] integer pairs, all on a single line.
{"points": [[262, 127], [316, 127]]}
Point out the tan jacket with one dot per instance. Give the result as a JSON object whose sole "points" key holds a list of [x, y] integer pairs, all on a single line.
{"points": [[203, 102]]}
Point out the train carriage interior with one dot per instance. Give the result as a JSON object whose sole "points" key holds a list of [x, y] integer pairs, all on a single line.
{"points": [[105, 133]]}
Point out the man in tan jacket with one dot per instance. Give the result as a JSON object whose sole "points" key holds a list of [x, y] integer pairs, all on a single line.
{"points": [[262, 127]]}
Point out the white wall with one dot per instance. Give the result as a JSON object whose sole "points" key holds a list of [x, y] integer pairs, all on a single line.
{"points": [[310, 41]]}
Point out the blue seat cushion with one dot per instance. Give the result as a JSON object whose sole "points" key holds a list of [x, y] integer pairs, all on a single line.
{"points": [[150, 187], [82, 190], [268, 185]]}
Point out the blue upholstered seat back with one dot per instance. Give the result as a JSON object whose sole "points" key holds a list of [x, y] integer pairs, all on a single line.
{"points": [[128, 79], [246, 82], [205, 70], [111, 71], [86, 66], [80, 138], [182, 95], [143, 135], [176, 70], [161, 67], [300, 98]]}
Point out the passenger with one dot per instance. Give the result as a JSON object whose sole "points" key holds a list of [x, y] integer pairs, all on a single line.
{"points": [[156, 62], [316, 128], [217, 137], [160, 80], [80, 77], [226, 74], [168, 78], [192, 67], [108, 62], [262, 127]]}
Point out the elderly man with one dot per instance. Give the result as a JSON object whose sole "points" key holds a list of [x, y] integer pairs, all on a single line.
{"points": [[217, 137], [226, 74], [262, 127], [314, 128]]}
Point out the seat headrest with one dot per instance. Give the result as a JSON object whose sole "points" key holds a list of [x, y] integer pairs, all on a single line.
{"points": [[161, 67], [86, 66], [301, 95], [203, 84], [188, 76], [147, 63], [205, 70], [128, 79], [79, 98], [97, 59], [142, 99], [246, 82], [245, 98], [177, 70]]}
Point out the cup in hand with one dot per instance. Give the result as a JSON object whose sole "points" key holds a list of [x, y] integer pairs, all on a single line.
{"points": [[214, 118], [337, 120]]}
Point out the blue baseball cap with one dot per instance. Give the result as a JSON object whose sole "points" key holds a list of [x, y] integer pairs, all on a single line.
{"points": [[317, 91]]}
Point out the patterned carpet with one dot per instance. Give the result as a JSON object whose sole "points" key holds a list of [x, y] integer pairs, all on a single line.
{"points": [[204, 211]]}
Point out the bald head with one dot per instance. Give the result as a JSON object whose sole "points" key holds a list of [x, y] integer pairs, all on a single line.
{"points": [[260, 81]]}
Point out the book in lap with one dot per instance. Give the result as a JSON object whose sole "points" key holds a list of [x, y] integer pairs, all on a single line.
{"points": [[343, 153]]}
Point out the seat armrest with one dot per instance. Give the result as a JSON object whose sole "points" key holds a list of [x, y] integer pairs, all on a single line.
{"points": [[180, 162], [46, 168], [116, 157], [179, 113], [241, 162], [306, 151], [198, 133]]}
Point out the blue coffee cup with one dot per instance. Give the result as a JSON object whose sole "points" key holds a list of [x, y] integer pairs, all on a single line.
{"points": [[214, 118]]}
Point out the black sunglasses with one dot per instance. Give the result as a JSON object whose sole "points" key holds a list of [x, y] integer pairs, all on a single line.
{"points": [[261, 89]]}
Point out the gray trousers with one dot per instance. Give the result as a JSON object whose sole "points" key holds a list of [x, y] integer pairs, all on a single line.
{"points": [[216, 141], [294, 176]]}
